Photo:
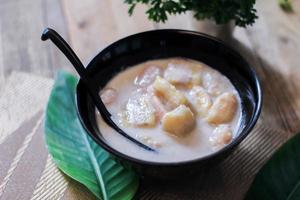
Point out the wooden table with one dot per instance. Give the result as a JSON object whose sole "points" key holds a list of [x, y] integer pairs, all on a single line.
{"points": [[271, 45]]}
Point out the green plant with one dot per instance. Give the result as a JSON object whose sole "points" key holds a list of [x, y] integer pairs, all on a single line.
{"points": [[76, 154], [221, 11], [279, 178], [286, 5]]}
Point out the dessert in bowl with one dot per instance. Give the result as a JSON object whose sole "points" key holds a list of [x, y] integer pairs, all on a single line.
{"points": [[182, 108], [185, 94]]}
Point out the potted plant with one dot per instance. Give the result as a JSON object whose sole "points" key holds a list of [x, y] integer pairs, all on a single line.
{"points": [[215, 17]]}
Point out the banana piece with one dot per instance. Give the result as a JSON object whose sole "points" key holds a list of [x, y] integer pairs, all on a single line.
{"points": [[179, 121], [196, 78], [201, 101], [148, 76], [140, 112], [159, 108], [211, 83], [223, 109], [168, 92], [108, 95], [221, 136], [178, 74]]}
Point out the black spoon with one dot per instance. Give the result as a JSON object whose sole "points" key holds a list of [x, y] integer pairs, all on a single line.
{"points": [[69, 53]]}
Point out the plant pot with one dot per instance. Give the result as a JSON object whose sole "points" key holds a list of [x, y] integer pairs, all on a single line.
{"points": [[188, 22], [223, 32]]}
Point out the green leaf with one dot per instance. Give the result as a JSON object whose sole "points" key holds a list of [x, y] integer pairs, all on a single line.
{"points": [[286, 5], [221, 11], [279, 178], [76, 154]]}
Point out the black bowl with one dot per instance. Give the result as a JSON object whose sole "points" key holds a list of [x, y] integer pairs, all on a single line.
{"points": [[163, 44]]}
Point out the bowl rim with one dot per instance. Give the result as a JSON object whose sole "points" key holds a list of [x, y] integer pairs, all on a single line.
{"points": [[223, 150]]}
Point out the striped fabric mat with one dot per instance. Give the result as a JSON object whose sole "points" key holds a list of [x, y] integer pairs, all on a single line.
{"points": [[27, 171]]}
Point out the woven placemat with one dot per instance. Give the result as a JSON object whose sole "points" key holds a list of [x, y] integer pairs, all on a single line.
{"points": [[27, 171]]}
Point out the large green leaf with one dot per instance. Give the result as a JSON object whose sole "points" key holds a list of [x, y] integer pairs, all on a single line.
{"points": [[279, 178], [76, 154]]}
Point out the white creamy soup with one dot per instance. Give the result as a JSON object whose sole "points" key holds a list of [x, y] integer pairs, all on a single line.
{"points": [[182, 108]]}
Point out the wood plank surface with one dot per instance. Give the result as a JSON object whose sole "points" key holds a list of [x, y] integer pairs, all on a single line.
{"points": [[271, 45], [54, 17], [94, 24], [276, 42], [21, 25]]}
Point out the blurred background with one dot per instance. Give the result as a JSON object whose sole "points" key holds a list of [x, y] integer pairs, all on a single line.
{"points": [[272, 43], [91, 25], [28, 66]]}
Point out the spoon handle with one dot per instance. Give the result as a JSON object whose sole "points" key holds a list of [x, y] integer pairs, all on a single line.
{"points": [[73, 58], [66, 49]]}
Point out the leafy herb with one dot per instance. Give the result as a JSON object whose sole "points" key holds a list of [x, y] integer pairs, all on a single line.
{"points": [[286, 5], [221, 11]]}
